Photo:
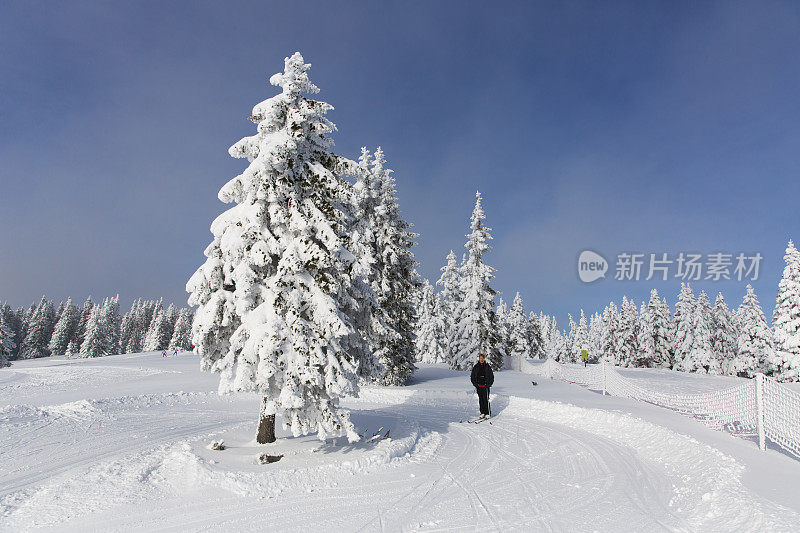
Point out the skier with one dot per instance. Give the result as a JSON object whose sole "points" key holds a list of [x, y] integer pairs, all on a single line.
{"points": [[164, 353], [585, 357], [482, 379]]}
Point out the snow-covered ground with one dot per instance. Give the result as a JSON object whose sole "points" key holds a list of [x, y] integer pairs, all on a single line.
{"points": [[121, 443]]}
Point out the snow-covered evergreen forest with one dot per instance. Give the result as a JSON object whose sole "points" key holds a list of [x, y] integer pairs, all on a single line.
{"points": [[694, 337], [92, 329]]}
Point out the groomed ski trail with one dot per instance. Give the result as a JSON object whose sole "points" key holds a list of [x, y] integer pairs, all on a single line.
{"points": [[141, 463]]}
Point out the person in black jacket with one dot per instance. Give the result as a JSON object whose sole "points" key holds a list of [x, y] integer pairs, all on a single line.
{"points": [[482, 379]]}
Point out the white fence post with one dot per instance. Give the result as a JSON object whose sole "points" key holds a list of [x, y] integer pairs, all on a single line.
{"points": [[762, 441], [604, 376]]}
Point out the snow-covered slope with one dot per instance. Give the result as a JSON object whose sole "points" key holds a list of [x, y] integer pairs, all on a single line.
{"points": [[121, 443]]}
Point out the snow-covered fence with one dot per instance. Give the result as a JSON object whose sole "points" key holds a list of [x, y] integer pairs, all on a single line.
{"points": [[760, 407]]}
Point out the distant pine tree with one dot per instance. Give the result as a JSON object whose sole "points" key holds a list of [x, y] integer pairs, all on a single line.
{"points": [[7, 345], [755, 349], [450, 281], [518, 331], [430, 340], [645, 339], [66, 329], [535, 338], [182, 333], [109, 316], [95, 342], [80, 331], [627, 333], [723, 335], [611, 328], [786, 318], [38, 332]]}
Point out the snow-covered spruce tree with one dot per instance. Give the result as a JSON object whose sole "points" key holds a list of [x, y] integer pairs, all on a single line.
{"points": [[109, 317], [36, 337], [430, 327], [755, 349], [138, 331], [555, 344], [95, 342], [383, 241], [501, 326], [701, 357], [683, 321], [645, 339], [7, 345], [80, 331], [723, 335], [126, 327], [182, 333], [580, 340], [786, 318], [450, 281], [65, 329], [535, 340], [595, 337], [13, 321], [474, 318], [160, 332], [275, 295], [659, 316], [569, 339], [627, 332], [518, 331], [609, 341]]}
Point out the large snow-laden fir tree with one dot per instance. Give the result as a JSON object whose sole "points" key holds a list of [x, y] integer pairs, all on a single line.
{"points": [[430, 345], [275, 295], [754, 347], [786, 318], [474, 320], [382, 243]]}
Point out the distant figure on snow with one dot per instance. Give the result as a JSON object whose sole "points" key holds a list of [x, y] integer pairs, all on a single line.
{"points": [[482, 379], [175, 352], [163, 353], [585, 357]]}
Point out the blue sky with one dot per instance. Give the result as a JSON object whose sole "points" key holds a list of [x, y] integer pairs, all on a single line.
{"points": [[641, 126]]}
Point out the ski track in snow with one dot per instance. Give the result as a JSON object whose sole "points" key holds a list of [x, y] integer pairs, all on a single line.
{"points": [[141, 463]]}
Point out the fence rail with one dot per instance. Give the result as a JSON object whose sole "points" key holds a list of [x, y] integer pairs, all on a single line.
{"points": [[759, 407]]}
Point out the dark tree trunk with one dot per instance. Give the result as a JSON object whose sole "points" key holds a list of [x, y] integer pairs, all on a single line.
{"points": [[266, 426]]}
